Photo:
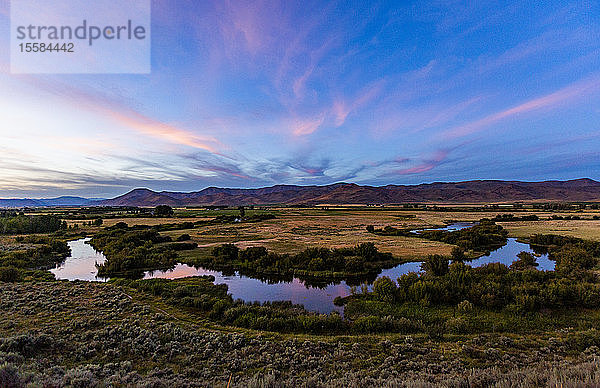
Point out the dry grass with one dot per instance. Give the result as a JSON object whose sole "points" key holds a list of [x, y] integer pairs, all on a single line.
{"points": [[296, 229], [589, 230], [9, 243]]}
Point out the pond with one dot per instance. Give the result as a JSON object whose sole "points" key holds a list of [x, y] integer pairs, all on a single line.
{"points": [[81, 265], [508, 253]]}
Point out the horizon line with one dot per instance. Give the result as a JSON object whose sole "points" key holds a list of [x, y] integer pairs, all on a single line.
{"points": [[293, 185]]}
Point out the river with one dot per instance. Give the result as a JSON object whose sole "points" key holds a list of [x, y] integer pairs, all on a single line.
{"points": [[81, 265]]}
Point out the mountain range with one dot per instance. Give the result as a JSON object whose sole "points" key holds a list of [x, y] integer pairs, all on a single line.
{"points": [[49, 202], [476, 191]]}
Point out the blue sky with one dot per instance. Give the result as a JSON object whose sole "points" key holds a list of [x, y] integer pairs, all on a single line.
{"points": [[251, 94]]}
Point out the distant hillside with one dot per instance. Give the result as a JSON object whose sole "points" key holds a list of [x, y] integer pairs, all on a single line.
{"points": [[346, 193], [60, 201]]}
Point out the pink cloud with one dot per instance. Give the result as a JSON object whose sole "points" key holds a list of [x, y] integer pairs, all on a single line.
{"points": [[127, 116], [417, 169], [427, 165], [341, 109], [298, 46], [159, 130], [250, 26], [303, 127], [551, 100], [299, 84]]}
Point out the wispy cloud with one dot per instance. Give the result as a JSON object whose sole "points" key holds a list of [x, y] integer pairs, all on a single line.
{"points": [[444, 114], [299, 83], [201, 165], [306, 126], [342, 108], [557, 98], [159, 130], [435, 160], [250, 26], [126, 116]]}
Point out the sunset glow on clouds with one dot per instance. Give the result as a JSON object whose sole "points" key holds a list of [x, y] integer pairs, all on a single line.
{"points": [[250, 94]]}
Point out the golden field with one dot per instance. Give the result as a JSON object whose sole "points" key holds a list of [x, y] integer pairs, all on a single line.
{"points": [[294, 229]]}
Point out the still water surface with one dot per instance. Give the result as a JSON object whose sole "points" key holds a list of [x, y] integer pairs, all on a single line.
{"points": [[81, 265]]}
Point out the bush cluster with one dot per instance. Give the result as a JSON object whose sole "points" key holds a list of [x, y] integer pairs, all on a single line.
{"points": [[129, 252], [481, 237], [24, 224], [520, 288], [341, 263], [45, 253]]}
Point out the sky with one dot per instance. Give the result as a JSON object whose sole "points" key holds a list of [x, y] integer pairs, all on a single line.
{"points": [[251, 94]]}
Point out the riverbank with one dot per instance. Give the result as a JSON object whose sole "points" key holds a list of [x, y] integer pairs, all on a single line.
{"points": [[138, 340]]}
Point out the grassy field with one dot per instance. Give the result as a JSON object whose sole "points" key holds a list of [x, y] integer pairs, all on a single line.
{"points": [[586, 229], [152, 221], [60, 333], [294, 229], [96, 335]]}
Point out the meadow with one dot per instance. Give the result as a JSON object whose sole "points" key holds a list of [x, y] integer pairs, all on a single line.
{"points": [[452, 326]]}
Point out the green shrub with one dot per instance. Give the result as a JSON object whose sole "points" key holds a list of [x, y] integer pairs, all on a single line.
{"points": [[435, 265], [370, 324], [384, 289], [465, 306], [9, 274], [10, 377]]}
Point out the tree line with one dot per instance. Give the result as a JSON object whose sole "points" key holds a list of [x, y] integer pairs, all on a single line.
{"points": [[358, 261], [29, 224]]}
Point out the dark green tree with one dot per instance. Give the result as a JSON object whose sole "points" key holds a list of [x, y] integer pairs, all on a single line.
{"points": [[436, 265], [384, 289], [458, 254], [163, 211], [526, 261]]}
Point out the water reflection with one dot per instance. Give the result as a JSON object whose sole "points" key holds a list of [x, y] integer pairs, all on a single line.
{"points": [[250, 289], [81, 264], [314, 295], [508, 253]]}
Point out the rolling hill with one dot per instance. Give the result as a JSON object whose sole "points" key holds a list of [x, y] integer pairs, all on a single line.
{"points": [[49, 202], [478, 191]]}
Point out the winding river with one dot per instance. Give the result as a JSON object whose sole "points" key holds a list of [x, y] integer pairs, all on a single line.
{"points": [[81, 265]]}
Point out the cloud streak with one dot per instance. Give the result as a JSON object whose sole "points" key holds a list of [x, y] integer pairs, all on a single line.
{"points": [[427, 165], [341, 109], [127, 117], [552, 100], [306, 126], [159, 130]]}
